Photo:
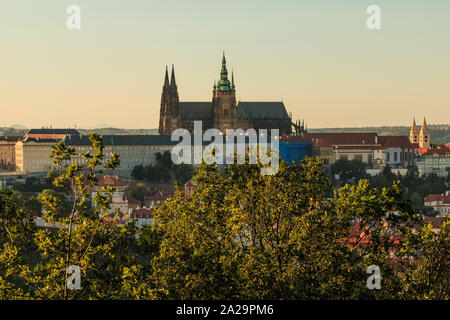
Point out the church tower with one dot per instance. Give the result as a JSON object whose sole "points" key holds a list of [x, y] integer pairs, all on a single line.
{"points": [[414, 133], [424, 136], [174, 103], [224, 101], [165, 106], [169, 118]]}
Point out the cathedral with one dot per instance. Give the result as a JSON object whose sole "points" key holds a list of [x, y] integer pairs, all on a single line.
{"points": [[223, 112]]}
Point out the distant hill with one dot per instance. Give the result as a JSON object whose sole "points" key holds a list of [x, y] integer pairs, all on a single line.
{"points": [[19, 126], [9, 131], [440, 133], [106, 131]]}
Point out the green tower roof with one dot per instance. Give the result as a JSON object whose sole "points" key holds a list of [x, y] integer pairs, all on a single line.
{"points": [[224, 84]]}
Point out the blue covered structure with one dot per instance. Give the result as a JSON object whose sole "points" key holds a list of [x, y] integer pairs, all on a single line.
{"points": [[295, 152]]}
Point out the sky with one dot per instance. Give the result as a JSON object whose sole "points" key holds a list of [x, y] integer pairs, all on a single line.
{"points": [[317, 56]]}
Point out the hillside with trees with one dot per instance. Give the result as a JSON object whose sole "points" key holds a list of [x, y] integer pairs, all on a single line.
{"points": [[414, 186]]}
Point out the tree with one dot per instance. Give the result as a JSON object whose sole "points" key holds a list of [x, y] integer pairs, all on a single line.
{"points": [[165, 160], [16, 233], [426, 263], [183, 173], [349, 171], [241, 235], [138, 172], [448, 175], [82, 237], [139, 192], [247, 236], [54, 201]]}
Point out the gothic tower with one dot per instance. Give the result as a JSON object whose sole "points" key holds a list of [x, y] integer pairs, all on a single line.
{"points": [[424, 136], [165, 106], [169, 118], [174, 103], [224, 101], [414, 133]]}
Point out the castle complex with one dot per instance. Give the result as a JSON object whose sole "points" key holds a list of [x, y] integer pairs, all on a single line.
{"points": [[223, 112]]}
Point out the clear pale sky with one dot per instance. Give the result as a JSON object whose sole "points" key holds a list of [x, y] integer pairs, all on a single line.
{"points": [[317, 56]]}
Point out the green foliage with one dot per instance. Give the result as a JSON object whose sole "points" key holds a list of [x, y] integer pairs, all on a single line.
{"points": [[349, 171], [139, 192], [138, 172], [415, 187], [247, 236], [54, 202], [163, 171], [425, 272], [241, 235]]}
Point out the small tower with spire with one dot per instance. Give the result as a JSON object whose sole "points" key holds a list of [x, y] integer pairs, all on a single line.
{"points": [[224, 100], [414, 133], [424, 136], [224, 84], [174, 99]]}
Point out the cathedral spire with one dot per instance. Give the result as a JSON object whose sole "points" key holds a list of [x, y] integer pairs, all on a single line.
{"points": [[424, 128], [413, 129], [166, 79], [172, 79], [224, 83]]}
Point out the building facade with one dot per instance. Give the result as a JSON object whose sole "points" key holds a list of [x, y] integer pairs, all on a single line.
{"points": [[399, 151], [33, 154], [435, 160], [439, 202], [8, 152], [373, 150], [223, 112]]}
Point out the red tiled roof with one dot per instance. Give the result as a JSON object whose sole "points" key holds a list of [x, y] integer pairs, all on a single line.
{"points": [[158, 195], [444, 197], [46, 136], [112, 181], [420, 150], [440, 152], [360, 235], [395, 141], [322, 143], [142, 211]]}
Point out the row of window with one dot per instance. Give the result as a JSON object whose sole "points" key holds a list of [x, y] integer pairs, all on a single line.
{"points": [[404, 156]]}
